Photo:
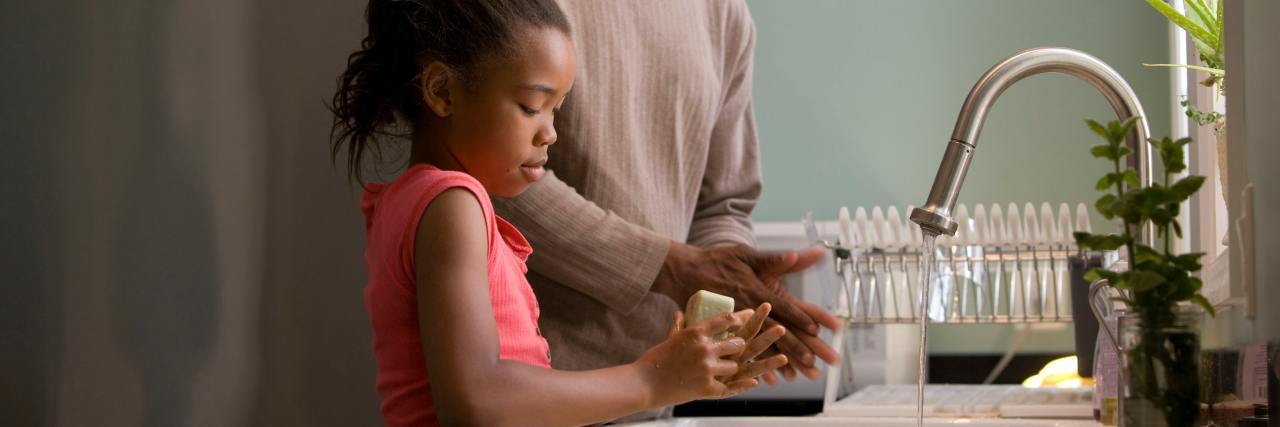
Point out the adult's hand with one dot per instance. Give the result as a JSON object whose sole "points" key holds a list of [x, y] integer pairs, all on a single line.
{"points": [[751, 278]]}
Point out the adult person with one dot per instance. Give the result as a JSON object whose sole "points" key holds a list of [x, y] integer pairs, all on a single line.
{"points": [[651, 185]]}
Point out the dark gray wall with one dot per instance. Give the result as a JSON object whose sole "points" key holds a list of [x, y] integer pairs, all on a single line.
{"points": [[318, 363], [177, 249]]}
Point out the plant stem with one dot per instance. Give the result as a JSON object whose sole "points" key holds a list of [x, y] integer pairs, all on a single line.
{"points": [[1128, 237], [1165, 230]]}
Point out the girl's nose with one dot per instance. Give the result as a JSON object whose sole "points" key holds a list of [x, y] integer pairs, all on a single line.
{"points": [[546, 136]]}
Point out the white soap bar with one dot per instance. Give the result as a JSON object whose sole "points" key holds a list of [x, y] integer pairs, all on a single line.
{"points": [[704, 305]]}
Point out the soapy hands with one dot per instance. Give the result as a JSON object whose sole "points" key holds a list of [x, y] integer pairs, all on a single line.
{"points": [[751, 278], [749, 367], [691, 365]]}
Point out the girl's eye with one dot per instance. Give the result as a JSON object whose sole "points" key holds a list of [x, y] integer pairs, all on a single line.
{"points": [[528, 111]]}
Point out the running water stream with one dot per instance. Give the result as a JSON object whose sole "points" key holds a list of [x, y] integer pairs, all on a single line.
{"points": [[926, 267]]}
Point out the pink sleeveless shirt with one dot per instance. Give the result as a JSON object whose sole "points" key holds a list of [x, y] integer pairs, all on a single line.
{"points": [[391, 214]]}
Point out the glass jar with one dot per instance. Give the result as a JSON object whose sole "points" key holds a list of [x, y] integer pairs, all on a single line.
{"points": [[1160, 381]]}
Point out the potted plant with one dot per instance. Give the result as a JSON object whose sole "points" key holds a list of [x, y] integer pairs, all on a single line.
{"points": [[1159, 338], [1203, 25]]}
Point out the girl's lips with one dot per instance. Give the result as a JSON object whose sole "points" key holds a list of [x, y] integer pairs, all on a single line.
{"points": [[533, 173], [534, 170]]}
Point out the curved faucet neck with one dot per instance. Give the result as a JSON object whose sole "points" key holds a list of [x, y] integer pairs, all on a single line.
{"points": [[1046, 60], [935, 214]]}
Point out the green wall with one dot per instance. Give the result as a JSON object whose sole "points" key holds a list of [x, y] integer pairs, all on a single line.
{"points": [[855, 101]]}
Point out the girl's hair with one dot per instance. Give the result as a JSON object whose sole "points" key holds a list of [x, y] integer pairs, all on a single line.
{"points": [[380, 88]]}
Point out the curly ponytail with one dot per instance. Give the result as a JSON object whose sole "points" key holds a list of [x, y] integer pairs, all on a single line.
{"points": [[379, 91]]}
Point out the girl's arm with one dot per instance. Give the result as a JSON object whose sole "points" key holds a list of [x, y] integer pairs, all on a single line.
{"points": [[471, 386]]}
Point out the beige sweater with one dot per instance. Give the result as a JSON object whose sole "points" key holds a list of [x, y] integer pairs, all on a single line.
{"points": [[657, 142]]}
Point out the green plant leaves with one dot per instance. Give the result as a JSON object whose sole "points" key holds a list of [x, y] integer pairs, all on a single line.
{"points": [[1114, 132], [1128, 124], [1106, 206], [1143, 255], [1207, 41], [1128, 177], [1102, 151], [1096, 274], [1131, 177], [1157, 279], [1106, 181], [1171, 153], [1101, 242], [1221, 18], [1202, 11], [1185, 187], [1118, 131], [1098, 129], [1142, 281], [1201, 118], [1188, 262], [1204, 303]]}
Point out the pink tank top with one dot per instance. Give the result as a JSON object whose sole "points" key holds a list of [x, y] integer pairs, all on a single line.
{"points": [[391, 214]]}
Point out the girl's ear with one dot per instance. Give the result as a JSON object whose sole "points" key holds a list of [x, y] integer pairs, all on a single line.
{"points": [[438, 88]]}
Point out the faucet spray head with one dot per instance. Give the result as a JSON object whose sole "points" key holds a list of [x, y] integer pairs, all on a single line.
{"points": [[934, 216], [933, 222]]}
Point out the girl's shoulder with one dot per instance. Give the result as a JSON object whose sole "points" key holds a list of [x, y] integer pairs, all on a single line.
{"points": [[423, 176], [419, 182], [393, 211], [405, 198]]}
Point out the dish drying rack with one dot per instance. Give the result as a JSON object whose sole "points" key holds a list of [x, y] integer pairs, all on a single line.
{"points": [[1005, 265]]}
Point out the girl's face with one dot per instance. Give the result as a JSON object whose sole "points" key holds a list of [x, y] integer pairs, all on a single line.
{"points": [[500, 127]]}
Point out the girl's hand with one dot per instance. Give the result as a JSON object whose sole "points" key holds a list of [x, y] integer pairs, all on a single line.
{"points": [[684, 367], [757, 342]]}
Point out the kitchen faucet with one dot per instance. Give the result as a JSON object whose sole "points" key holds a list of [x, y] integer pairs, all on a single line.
{"points": [[935, 216]]}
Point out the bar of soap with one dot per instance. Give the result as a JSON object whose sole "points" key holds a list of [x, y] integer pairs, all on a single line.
{"points": [[704, 305]]}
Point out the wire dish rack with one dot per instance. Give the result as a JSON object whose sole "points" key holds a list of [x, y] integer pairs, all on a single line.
{"points": [[1002, 266]]}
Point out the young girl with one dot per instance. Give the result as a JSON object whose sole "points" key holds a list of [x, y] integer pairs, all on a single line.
{"points": [[476, 85]]}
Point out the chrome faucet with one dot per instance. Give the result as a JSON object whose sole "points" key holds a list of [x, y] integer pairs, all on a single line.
{"points": [[935, 215]]}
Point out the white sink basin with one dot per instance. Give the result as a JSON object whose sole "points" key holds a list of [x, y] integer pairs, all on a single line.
{"points": [[834, 421]]}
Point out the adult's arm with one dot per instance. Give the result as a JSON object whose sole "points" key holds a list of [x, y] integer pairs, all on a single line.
{"points": [[582, 246], [731, 186], [731, 182]]}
